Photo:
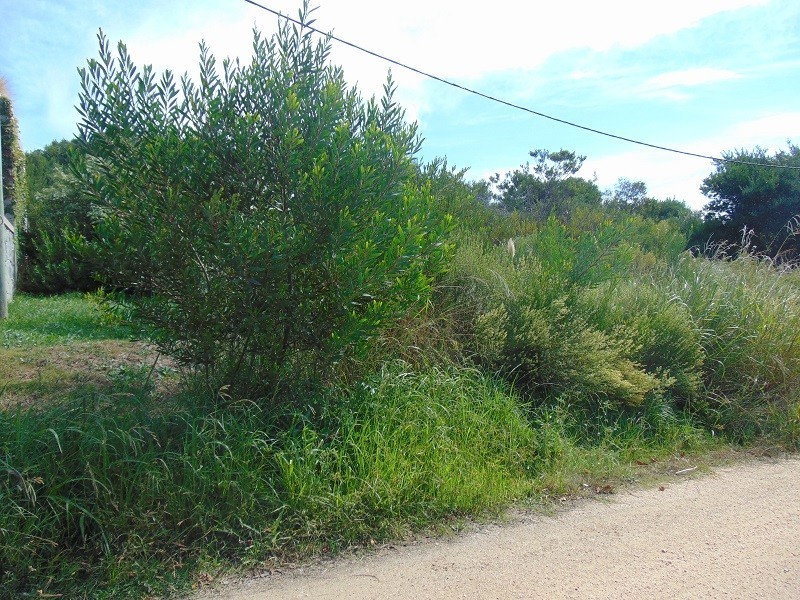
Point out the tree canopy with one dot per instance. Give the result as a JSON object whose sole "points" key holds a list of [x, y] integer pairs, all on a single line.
{"points": [[42, 165], [626, 193], [548, 186], [759, 204]]}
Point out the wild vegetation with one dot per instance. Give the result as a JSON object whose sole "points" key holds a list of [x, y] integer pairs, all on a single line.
{"points": [[306, 340], [54, 246], [13, 159]]}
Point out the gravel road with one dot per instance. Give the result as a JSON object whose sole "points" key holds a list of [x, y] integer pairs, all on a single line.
{"points": [[732, 533]]}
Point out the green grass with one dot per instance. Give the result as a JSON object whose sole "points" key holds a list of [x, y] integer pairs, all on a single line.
{"points": [[48, 320], [108, 491], [582, 451], [405, 449], [96, 496]]}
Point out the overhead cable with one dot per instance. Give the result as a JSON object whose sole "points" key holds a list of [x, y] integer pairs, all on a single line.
{"points": [[717, 159]]}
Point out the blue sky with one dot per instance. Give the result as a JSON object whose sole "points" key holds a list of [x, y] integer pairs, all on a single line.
{"points": [[702, 75]]}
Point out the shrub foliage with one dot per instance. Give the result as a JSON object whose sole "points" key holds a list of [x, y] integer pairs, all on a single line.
{"points": [[56, 255], [268, 220], [521, 314], [53, 247]]}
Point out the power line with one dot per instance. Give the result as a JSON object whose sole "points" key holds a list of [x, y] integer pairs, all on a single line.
{"points": [[511, 104]]}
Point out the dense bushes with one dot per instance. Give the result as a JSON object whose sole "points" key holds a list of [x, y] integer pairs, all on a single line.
{"points": [[267, 221], [54, 246], [591, 319], [56, 255], [521, 313], [663, 338]]}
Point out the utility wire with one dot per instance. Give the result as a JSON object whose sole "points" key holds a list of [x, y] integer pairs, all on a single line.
{"points": [[511, 104]]}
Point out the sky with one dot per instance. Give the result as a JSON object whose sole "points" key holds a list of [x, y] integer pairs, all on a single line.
{"points": [[704, 76]]}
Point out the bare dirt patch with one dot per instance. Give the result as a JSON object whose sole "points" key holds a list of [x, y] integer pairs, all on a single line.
{"points": [[30, 376]]}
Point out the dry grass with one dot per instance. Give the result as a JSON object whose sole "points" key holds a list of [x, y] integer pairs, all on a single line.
{"points": [[52, 374], [56, 348]]}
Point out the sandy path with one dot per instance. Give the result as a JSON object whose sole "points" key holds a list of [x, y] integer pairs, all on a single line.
{"points": [[734, 533]]}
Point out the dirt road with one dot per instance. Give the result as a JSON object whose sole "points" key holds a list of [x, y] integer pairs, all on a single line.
{"points": [[733, 533]]}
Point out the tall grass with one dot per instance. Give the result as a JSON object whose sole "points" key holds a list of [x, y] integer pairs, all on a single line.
{"points": [[583, 449], [404, 449], [747, 312], [117, 499], [97, 497], [584, 317]]}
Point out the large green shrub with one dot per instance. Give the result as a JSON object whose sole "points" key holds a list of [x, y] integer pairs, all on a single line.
{"points": [[266, 220]]}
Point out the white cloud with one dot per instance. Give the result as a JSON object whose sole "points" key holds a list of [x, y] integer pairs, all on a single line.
{"points": [[456, 41], [443, 37], [675, 84], [690, 77], [674, 175], [770, 131], [666, 175]]}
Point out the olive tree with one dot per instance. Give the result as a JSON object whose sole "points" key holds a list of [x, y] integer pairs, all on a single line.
{"points": [[265, 221]]}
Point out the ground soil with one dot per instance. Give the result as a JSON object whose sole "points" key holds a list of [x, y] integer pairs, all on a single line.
{"points": [[46, 374], [730, 533]]}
